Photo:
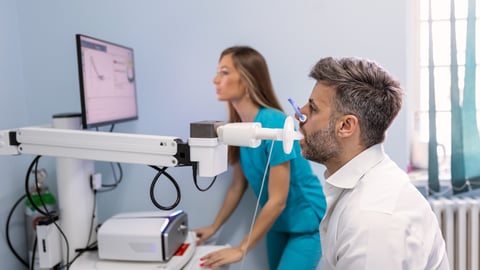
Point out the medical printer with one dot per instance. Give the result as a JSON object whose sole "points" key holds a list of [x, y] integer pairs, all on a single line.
{"points": [[142, 236]]}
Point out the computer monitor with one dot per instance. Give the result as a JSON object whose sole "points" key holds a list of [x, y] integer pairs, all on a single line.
{"points": [[107, 82]]}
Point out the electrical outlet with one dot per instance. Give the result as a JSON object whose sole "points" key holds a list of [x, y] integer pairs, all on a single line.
{"points": [[96, 181]]}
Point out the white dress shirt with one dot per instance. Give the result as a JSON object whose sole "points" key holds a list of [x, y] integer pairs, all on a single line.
{"points": [[376, 219]]}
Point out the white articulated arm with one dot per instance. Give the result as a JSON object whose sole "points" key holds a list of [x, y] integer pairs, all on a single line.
{"points": [[102, 146]]}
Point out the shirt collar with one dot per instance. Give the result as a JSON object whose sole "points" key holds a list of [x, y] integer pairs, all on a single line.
{"points": [[350, 173]]}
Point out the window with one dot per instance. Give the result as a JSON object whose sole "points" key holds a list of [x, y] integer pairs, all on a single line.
{"points": [[445, 62]]}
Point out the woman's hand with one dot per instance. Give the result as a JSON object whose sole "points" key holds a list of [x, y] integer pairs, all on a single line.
{"points": [[221, 257], [204, 234]]}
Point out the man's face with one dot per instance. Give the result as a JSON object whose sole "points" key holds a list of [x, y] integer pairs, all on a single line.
{"points": [[320, 143]]}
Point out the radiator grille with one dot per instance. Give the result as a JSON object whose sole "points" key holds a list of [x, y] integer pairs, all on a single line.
{"points": [[459, 222]]}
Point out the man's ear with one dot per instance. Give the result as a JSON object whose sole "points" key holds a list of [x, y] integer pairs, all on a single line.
{"points": [[347, 125]]}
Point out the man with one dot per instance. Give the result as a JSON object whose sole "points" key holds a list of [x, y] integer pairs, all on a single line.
{"points": [[376, 219]]}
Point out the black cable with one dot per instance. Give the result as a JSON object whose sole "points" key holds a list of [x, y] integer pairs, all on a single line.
{"points": [[80, 251], [45, 213], [93, 216], [39, 192], [120, 170], [110, 130], [152, 188], [89, 247], [27, 188], [7, 229], [116, 180], [32, 259], [110, 187], [30, 199], [195, 181], [92, 247], [66, 244]]}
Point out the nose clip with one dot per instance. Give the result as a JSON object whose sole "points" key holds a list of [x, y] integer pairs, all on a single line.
{"points": [[301, 117]]}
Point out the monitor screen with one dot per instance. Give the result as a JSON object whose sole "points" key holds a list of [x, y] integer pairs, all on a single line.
{"points": [[107, 82]]}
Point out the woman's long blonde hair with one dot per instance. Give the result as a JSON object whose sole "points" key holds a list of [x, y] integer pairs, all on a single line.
{"points": [[254, 74]]}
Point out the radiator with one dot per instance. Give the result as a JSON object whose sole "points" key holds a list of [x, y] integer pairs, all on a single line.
{"points": [[459, 222]]}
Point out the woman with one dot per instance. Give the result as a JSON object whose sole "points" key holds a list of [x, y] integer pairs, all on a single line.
{"points": [[292, 199]]}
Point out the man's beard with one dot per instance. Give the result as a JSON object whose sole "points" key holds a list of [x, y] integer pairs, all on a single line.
{"points": [[321, 145]]}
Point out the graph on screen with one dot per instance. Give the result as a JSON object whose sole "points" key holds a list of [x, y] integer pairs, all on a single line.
{"points": [[107, 81]]}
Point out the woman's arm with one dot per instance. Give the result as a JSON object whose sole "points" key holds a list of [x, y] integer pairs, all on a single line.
{"points": [[279, 182], [230, 202]]}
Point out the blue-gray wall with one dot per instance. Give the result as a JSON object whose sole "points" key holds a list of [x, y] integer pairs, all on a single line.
{"points": [[177, 44]]}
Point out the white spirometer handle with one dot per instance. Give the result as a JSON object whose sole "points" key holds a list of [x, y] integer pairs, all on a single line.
{"points": [[250, 134]]}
